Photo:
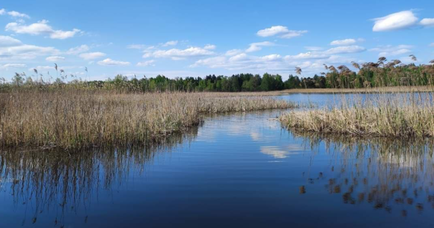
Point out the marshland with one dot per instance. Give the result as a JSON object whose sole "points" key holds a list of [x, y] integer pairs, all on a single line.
{"points": [[72, 150], [216, 114]]}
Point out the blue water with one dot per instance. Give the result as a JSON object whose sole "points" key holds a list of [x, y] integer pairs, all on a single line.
{"points": [[237, 170]]}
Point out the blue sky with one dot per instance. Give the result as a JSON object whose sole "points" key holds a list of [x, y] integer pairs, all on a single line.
{"points": [[196, 38]]}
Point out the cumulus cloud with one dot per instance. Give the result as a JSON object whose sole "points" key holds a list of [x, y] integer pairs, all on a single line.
{"points": [[91, 55], [55, 58], [210, 47], [395, 21], [258, 46], [136, 46], [170, 43], [311, 62], [13, 13], [146, 63], [17, 14], [7, 41], [343, 42], [281, 31], [12, 65], [178, 54], [427, 22], [390, 50], [345, 50], [111, 62], [308, 55], [40, 28], [233, 52], [313, 48], [77, 50], [25, 51], [244, 61]]}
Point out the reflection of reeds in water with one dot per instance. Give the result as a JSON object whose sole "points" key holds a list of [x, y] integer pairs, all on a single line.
{"points": [[385, 173], [63, 181]]}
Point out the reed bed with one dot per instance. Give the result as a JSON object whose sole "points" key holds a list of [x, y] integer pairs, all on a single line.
{"points": [[384, 115], [83, 119]]}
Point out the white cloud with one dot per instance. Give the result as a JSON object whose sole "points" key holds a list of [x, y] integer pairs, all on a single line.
{"points": [[177, 54], [77, 50], [258, 46], [243, 61], [136, 46], [272, 57], [61, 35], [2, 11], [111, 62], [395, 21], [233, 52], [40, 28], [18, 14], [307, 55], [170, 43], [26, 52], [293, 33], [7, 41], [312, 48], [210, 47], [272, 31], [55, 58], [92, 55], [343, 42], [239, 57], [427, 22], [146, 63], [147, 54], [345, 50], [281, 31], [390, 50], [12, 65]]}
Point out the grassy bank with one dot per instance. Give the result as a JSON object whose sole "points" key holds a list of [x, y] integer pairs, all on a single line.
{"points": [[394, 115], [83, 119]]}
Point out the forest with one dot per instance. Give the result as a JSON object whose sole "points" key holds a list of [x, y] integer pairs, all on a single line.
{"points": [[382, 73]]}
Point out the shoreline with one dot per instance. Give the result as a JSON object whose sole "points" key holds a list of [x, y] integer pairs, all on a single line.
{"points": [[399, 89]]}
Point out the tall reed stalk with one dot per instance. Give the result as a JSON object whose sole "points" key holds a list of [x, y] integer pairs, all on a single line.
{"points": [[381, 115], [77, 119]]}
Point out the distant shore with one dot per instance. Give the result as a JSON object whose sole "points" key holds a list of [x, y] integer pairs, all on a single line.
{"points": [[392, 89]]}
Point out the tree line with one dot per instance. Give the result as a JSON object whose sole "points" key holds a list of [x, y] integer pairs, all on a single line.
{"points": [[372, 74]]}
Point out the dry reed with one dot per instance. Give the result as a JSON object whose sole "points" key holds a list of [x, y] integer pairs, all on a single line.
{"points": [[82, 119], [386, 115]]}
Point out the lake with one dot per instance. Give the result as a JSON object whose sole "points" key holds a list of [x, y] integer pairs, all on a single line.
{"points": [[234, 170]]}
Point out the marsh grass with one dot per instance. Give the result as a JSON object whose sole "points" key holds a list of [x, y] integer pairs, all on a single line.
{"points": [[80, 119], [400, 115]]}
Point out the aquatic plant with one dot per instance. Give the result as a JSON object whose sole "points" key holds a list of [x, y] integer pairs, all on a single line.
{"points": [[385, 115], [77, 119]]}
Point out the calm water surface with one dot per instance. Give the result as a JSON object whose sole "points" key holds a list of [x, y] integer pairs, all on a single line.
{"points": [[238, 170]]}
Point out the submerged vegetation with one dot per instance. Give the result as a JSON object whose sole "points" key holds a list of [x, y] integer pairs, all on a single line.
{"points": [[392, 115], [74, 119]]}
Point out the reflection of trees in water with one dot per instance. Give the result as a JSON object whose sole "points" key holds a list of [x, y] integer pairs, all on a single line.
{"points": [[66, 181], [386, 173]]}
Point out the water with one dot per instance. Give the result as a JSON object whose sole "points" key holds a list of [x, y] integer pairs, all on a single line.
{"points": [[238, 170]]}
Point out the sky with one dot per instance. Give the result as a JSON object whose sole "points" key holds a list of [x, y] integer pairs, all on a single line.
{"points": [[180, 38]]}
